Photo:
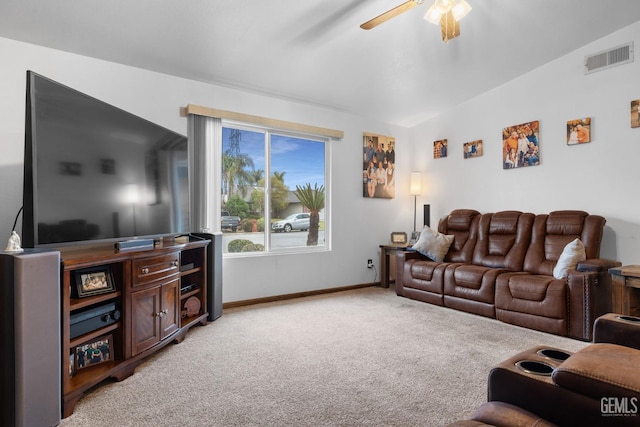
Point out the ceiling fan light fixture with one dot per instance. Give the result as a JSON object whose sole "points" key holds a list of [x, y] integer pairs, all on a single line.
{"points": [[449, 26], [460, 9], [433, 15]]}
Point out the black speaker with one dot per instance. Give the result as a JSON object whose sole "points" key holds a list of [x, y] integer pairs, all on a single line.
{"points": [[427, 215], [30, 330], [214, 273]]}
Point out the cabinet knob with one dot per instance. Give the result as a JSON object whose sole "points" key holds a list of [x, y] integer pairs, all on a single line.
{"points": [[161, 313], [175, 263], [145, 270]]}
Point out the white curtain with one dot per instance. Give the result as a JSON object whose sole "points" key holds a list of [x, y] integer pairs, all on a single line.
{"points": [[205, 152]]}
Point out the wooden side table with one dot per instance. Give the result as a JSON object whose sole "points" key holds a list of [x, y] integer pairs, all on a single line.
{"points": [[625, 289], [386, 264]]}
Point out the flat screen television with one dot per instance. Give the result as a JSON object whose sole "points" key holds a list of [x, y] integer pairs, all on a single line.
{"points": [[94, 172]]}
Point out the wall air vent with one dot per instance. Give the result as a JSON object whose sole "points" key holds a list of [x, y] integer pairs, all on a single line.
{"points": [[609, 58]]}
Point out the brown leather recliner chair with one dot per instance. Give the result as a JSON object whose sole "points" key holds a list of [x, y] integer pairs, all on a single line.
{"points": [[598, 385]]}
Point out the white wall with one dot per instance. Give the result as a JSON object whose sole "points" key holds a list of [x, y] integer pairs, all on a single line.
{"points": [[359, 225], [600, 177]]}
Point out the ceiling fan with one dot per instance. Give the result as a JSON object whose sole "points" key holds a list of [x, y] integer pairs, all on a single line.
{"points": [[445, 13]]}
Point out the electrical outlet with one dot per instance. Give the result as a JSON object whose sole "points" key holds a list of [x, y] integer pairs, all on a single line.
{"points": [[369, 263]]}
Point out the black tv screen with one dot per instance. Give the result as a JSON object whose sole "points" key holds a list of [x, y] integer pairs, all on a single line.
{"points": [[93, 172]]}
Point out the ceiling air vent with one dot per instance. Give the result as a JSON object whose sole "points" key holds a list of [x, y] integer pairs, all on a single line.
{"points": [[608, 58]]}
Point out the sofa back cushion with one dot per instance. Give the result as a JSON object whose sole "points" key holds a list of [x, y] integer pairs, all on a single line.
{"points": [[552, 232], [462, 224], [503, 239]]}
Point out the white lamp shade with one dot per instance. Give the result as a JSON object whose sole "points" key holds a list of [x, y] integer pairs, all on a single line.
{"points": [[416, 184], [460, 9], [433, 15]]}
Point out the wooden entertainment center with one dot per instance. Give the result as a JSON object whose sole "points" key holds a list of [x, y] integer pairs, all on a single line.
{"points": [[141, 301]]}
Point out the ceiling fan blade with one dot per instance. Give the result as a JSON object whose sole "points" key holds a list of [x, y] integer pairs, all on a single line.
{"points": [[410, 4]]}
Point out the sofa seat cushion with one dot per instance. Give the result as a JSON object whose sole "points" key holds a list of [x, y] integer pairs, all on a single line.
{"points": [[533, 301], [533, 294], [471, 288], [425, 275], [601, 370]]}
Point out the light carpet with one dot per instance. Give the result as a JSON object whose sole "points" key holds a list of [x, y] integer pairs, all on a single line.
{"points": [[364, 357]]}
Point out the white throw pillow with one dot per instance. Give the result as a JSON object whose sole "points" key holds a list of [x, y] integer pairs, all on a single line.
{"points": [[571, 255], [432, 244]]}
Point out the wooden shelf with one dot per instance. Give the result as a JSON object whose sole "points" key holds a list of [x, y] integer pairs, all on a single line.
{"points": [[148, 296], [190, 271], [78, 303], [190, 293], [82, 339]]}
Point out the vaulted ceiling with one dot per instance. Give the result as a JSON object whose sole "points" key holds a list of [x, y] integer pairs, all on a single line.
{"points": [[314, 50]]}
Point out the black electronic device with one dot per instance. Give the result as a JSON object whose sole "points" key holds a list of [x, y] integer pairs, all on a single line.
{"points": [[427, 215], [134, 245], [30, 329], [94, 172], [93, 318], [188, 288], [214, 273]]}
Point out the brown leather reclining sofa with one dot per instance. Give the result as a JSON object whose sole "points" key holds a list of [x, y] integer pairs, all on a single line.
{"points": [[500, 265]]}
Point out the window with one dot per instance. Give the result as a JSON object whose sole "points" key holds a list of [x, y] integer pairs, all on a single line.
{"points": [[274, 192]]}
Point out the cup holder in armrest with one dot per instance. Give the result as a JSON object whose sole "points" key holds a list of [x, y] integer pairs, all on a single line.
{"points": [[629, 319], [554, 354], [535, 367]]}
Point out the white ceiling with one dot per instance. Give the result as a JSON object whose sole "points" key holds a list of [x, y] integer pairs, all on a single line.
{"points": [[314, 50]]}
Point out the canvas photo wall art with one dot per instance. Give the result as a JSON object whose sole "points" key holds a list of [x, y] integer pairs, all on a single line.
{"points": [[635, 116], [472, 149], [521, 145], [440, 148], [579, 131], [378, 166]]}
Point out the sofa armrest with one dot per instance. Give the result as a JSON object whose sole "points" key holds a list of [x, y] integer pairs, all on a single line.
{"points": [[617, 329], [601, 370], [401, 258], [589, 297], [597, 265]]}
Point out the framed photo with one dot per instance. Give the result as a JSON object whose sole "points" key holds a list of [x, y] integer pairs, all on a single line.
{"points": [[94, 353], [472, 149], [579, 131], [94, 281], [635, 113], [378, 166], [440, 148], [398, 238], [72, 364], [415, 235], [520, 145]]}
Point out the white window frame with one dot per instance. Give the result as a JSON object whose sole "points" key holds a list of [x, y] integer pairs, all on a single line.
{"points": [[268, 132]]}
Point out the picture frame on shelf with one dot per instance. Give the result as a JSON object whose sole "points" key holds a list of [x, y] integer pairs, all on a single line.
{"points": [[95, 352], [94, 281], [398, 238], [415, 235]]}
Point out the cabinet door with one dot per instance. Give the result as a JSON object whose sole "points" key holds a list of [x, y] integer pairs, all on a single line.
{"points": [[145, 327], [170, 317]]}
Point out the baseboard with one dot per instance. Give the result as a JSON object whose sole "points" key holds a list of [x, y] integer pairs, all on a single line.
{"points": [[296, 295]]}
